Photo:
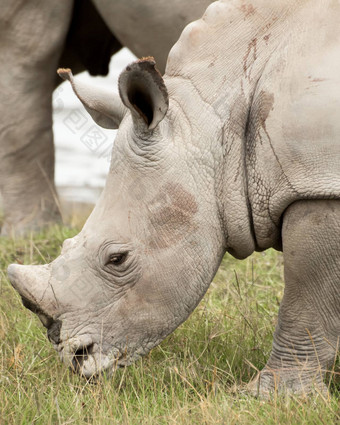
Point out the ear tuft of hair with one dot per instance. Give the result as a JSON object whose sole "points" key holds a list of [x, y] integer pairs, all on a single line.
{"points": [[65, 74]]}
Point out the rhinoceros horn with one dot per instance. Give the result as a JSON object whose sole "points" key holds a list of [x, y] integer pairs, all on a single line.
{"points": [[32, 283]]}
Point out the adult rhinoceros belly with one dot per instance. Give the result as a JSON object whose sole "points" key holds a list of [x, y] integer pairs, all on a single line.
{"points": [[149, 27], [294, 138]]}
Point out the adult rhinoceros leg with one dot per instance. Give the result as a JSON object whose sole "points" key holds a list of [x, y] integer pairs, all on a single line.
{"points": [[307, 336], [32, 36]]}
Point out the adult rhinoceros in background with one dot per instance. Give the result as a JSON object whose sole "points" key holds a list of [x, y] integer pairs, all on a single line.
{"points": [[237, 149], [35, 37]]}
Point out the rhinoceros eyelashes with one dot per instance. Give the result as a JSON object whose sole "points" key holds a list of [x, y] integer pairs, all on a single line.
{"points": [[117, 259]]}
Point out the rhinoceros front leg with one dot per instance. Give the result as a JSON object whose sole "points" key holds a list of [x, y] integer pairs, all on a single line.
{"points": [[32, 36], [306, 339], [27, 173]]}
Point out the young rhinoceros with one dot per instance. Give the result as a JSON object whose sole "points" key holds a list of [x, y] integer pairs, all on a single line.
{"points": [[237, 149]]}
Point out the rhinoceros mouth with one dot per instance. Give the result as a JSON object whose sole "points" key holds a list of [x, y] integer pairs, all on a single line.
{"points": [[86, 357], [81, 356]]}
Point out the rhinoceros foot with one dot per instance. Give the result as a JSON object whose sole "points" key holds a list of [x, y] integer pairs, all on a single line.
{"points": [[30, 224], [32, 213], [269, 383]]}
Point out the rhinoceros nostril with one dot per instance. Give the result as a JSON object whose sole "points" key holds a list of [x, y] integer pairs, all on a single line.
{"points": [[53, 332], [81, 355]]}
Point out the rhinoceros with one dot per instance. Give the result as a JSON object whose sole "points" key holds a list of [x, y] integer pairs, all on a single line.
{"points": [[236, 149], [36, 36]]}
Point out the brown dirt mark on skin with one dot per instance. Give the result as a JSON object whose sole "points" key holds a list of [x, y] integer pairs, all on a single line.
{"points": [[266, 102], [250, 57], [247, 9], [171, 216]]}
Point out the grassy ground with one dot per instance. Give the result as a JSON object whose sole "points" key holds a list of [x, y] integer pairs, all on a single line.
{"points": [[196, 376]]}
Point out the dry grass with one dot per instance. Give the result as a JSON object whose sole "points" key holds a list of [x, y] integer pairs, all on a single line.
{"points": [[196, 376]]}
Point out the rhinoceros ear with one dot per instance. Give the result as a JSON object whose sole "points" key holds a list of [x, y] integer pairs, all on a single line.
{"points": [[142, 90], [106, 109]]}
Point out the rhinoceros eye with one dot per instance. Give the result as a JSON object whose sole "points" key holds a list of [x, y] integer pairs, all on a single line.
{"points": [[117, 259]]}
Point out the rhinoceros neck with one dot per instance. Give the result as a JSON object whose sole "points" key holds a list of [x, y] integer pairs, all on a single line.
{"points": [[224, 52], [223, 56]]}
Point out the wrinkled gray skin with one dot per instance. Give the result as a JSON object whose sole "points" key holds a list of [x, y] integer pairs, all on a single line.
{"points": [[236, 150], [37, 36]]}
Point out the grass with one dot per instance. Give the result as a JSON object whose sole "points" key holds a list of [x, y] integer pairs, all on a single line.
{"points": [[196, 376]]}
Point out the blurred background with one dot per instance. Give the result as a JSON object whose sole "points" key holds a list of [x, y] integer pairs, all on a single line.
{"points": [[82, 148]]}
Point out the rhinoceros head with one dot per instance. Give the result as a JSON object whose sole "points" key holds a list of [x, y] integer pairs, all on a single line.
{"points": [[152, 244]]}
